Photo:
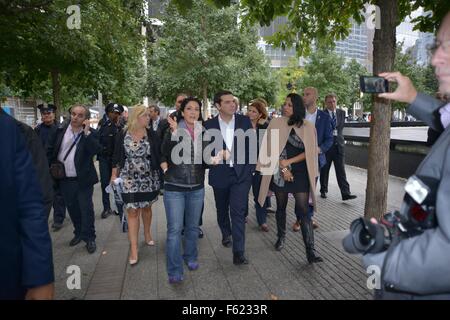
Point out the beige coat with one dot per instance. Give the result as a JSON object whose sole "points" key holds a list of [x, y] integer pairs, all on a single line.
{"points": [[307, 132]]}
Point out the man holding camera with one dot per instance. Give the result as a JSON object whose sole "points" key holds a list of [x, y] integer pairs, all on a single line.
{"points": [[418, 267]]}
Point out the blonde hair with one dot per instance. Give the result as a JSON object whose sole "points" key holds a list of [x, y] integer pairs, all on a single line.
{"points": [[137, 111]]}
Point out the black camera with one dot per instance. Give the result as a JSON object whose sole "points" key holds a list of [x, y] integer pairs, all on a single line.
{"points": [[418, 213]]}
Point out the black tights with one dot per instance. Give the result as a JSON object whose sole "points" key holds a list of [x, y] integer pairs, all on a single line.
{"points": [[301, 203]]}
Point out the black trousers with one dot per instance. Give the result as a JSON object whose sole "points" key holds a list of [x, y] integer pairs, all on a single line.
{"points": [[105, 167], [79, 203], [59, 207], [334, 155]]}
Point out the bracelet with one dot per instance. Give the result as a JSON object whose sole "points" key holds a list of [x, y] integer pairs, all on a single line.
{"points": [[284, 170]]}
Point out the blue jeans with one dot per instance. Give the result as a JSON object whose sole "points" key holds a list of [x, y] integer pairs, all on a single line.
{"points": [[187, 206]]}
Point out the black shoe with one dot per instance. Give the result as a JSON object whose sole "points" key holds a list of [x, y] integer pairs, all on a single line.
{"points": [[269, 210], [348, 197], [200, 233], [323, 195], [227, 243], [56, 226], [308, 239], [105, 214], [91, 247], [76, 240], [279, 245], [116, 213], [239, 259]]}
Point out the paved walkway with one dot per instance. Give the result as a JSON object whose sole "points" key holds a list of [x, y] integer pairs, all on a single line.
{"points": [[270, 274]]}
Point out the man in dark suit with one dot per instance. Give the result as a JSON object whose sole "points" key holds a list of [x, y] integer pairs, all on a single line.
{"points": [[231, 180], [78, 186], [44, 130], [336, 153], [322, 121], [157, 124], [26, 262]]}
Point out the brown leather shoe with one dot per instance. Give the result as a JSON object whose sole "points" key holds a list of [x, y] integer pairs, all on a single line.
{"points": [[264, 228], [315, 225], [296, 226]]}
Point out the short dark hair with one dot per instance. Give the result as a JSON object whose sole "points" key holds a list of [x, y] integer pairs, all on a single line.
{"points": [[154, 106], [299, 110], [218, 96], [330, 95], [184, 104]]}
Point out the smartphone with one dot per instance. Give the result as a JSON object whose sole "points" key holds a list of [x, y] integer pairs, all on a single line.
{"points": [[370, 84]]}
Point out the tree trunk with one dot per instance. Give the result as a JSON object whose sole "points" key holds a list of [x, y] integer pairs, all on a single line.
{"points": [[56, 85], [384, 44], [205, 100]]}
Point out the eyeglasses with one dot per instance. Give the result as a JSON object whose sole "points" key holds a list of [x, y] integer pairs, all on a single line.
{"points": [[444, 45]]}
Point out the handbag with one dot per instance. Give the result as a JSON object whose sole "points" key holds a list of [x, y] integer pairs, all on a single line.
{"points": [[57, 169]]}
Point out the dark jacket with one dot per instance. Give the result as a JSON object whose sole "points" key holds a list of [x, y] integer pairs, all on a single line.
{"points": [[324, 135], [163, 125], [40, 162], [219, 174], [85, 150], [118, 160], [191, 173], [25, 246], [107, 132], [50, 131]]}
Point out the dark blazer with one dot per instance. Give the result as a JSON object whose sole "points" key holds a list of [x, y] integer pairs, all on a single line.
{"points": [[219, 174], [324, 135], [25, 246], [119, 156], [85, 151], [340, 115], [161, 129]]}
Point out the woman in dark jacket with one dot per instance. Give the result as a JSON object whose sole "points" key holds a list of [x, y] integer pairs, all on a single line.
{"points": [[257, 112], [184, 175]]}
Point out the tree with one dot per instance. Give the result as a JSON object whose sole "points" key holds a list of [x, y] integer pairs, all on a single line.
{"points": [[41, 51], [324, 22], [287, 80], [203, 50]]}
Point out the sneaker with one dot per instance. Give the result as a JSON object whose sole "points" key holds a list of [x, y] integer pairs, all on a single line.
{"points": [[200, 233], [175, 279], [193, 265]]}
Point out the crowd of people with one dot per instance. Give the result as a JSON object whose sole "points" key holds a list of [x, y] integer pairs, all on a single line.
{"points": [[144, 154]]}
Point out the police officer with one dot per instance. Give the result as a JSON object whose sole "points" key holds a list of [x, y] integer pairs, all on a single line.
{"points": [[44, 130], [108, 127]]}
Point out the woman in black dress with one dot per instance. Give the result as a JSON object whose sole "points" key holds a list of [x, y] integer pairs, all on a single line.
{"points": [[292, 177]]}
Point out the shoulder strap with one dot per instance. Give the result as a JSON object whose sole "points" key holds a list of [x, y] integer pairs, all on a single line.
{"points": [[73, 145]]}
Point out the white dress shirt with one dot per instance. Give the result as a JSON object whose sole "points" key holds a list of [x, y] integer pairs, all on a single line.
{"points": [[227, 130], [69, 164], [311, 117], [155, 123]]}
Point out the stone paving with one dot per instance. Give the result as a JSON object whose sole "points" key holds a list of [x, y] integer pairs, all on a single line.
{"points": [[270, 274]]}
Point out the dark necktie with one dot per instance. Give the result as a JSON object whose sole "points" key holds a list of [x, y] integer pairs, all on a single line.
{"points": [[333, 120]]}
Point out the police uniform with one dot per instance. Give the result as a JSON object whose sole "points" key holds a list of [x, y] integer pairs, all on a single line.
{"points": [[107, 131], [44, 132]]}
